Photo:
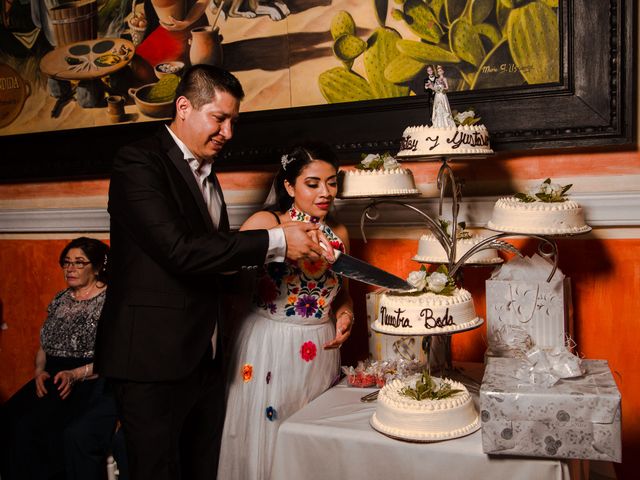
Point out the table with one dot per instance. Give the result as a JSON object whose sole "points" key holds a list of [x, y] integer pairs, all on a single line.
{"points": [[331, 438]]}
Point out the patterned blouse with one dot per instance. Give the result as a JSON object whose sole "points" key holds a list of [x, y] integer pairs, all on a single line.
{"points": [[70, 328]]}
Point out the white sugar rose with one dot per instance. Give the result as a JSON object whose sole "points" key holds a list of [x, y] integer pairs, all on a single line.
{"points": [[390, 163], [555, 189], [366, 161], [418, 279], [437, 281], [462, 116]]}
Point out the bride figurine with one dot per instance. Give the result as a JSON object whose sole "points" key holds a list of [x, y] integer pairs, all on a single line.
{"points": [[441, 114]]}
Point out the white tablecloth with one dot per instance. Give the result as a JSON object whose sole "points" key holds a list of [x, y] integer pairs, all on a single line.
{"points": [[331, 438]]}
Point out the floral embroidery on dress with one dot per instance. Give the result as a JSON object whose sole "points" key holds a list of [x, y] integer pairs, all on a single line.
{"points": [[271, 414], [304, 288], [247, 372], [308, 351]]}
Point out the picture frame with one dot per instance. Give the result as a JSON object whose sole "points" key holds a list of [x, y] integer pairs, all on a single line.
{"points": [[593, 106]]}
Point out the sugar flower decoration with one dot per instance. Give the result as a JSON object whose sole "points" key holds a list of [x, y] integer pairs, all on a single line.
{"points": [[308, 351], [468, 117], [436, 282], [547, 192], [374, 161]]}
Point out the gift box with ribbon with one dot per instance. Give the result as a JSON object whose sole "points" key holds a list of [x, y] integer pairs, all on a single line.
{"points": [[549, 403]]}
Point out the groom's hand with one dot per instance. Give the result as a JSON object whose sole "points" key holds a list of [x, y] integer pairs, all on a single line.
{"points": [[300, 243]]}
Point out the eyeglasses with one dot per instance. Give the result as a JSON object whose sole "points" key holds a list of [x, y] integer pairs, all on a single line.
{"points": [[78, 264]]}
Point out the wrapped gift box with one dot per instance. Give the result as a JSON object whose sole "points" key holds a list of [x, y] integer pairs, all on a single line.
{"points": [[575, 418], [520, 298]]}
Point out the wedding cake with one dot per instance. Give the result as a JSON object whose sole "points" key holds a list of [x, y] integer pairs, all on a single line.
{"points": [[422, 140], [431, 251], [424, 408], [436, 307], [377, 175], [545, 211]]}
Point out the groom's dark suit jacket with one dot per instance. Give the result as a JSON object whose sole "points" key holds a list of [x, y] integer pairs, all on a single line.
{"points": [[165, 266]]}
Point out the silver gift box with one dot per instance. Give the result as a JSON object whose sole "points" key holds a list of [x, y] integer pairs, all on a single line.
{"points": [[575, 418]]}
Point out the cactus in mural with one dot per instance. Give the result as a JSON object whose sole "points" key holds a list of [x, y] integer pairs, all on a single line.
{"points": [[534, 42], [461, 34]]}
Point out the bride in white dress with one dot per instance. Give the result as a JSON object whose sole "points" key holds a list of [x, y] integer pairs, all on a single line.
{"points": [[286, 351], [441, 115]]}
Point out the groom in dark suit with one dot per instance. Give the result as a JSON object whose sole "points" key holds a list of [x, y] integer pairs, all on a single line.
{"points": [[170, 244]]}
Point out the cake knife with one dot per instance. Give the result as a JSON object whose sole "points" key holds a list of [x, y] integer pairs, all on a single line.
{"points": [[357, 269]]}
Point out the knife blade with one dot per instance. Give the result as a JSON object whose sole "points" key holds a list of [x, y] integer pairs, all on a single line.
{"points": [[362, 271]]}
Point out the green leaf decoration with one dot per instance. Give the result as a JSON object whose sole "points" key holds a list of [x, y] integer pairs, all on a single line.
{"points": [[551, 3], [380, 52], [403, 69], [341, 85], [426, 389], [454, 8], [480, 10], [534, 42], [523, 197], [381, 7], [489, 31], [425, 52], [348, 47], [465, 42], [422, 21], [342, 24]]}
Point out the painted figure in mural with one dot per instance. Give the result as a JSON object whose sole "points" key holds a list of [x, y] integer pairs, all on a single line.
{"points": [[429, 85], [171, 251], [276, 10], [441, 116], [62, 421], [286, 352]]}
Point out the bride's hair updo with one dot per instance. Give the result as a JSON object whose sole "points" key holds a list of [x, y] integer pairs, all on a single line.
{"points": [[291, 165]]}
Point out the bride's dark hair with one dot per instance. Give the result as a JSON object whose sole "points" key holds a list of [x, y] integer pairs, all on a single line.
{"points": [[291, 165]]}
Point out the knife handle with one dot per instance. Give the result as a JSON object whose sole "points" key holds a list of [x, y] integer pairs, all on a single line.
{"points": [[336, 253]]}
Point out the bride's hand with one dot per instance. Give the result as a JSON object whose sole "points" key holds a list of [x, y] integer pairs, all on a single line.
{"points": [[344, 324]]}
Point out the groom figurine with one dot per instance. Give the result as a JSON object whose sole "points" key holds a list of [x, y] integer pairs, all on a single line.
{"points": [[429, 84]]}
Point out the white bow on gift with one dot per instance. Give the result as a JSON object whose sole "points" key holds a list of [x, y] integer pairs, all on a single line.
{"points": [[547, 367]]}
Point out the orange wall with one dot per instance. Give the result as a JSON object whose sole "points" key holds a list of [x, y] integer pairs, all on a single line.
{"points": [[605, 272]]}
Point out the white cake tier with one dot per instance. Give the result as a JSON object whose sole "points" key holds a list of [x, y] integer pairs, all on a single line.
{"points": [[362, 183], [556, 218], [431, 251], [424, 420], [425, 313], [462, 140]]}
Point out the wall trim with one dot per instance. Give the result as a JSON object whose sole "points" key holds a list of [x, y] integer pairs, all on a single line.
{"points": [[601, 209]]}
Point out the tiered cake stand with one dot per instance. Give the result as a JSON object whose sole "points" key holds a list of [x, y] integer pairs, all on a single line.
{"points": [[547, 248]]}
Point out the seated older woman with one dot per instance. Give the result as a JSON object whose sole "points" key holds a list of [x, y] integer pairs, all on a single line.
{"points": [[64, 389]]}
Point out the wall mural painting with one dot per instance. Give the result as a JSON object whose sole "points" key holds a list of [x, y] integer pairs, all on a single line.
{"points": [[75, 64]]}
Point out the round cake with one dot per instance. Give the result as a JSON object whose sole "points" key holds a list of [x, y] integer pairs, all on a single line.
{"points": [[431, 251], [369, 183], [419, 141], [425, 313], [403, 417], [545, 218]]}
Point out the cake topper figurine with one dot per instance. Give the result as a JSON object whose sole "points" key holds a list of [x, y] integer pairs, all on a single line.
{"points": [[441, 112], [429, 85]]}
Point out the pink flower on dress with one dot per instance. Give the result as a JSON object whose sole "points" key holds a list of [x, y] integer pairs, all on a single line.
{"points": [[308, 351]]}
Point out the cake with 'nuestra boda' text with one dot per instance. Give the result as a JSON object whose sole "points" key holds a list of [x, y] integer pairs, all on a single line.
{"points": [[437, 306], [546, 210], [424, 408], [377, 175]]}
